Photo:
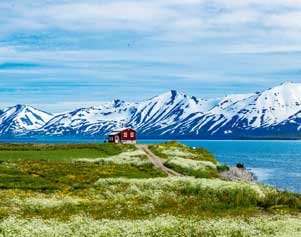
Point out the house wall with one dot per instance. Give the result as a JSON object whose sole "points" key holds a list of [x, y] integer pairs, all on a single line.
{"points": [[111, 139], [126, 135]]}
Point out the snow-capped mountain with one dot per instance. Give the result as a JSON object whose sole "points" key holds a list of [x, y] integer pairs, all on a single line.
{"points": [[149, 117], [21, 118], [254, 113], [91, 121], [275, 112]]}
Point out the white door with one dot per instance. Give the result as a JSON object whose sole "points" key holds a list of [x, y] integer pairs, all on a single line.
{"points": [[116, 139]]}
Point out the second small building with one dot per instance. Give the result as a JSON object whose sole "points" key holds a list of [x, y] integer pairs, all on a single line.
{"points": [[123, 135]]}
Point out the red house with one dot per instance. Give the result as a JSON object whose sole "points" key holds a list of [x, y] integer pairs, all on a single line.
{"points": [[124, 135]]}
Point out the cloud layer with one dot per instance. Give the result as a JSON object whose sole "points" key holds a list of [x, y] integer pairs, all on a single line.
{"points": [[192, 45]]}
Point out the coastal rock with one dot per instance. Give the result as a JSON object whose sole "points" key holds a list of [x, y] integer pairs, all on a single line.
{"points": [[238, 174]]}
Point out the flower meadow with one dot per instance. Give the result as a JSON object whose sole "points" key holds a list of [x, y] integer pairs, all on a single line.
{"points": [[170, 150], [163, 226], [195, 162], [192, 167], [136, 157], [96, 190]]}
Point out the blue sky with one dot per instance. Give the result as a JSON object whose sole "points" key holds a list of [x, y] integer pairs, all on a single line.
{"points": [[60, 55]]}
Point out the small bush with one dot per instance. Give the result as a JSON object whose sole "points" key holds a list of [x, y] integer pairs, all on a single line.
{"points": [[222, 167]]}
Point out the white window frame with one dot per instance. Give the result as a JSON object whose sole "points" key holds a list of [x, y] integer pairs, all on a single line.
{"points": [[132, 135], [125, 134]]}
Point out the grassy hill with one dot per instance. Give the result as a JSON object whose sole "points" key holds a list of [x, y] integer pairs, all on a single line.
{"points": [[196, 162], [114, 190]]}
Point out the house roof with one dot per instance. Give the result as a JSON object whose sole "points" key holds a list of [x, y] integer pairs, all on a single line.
{"points": [[117, 131], [114, 133], [121, 129]]}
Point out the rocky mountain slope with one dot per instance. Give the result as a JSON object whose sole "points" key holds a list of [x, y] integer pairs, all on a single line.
{"points": [[21, 118], [275, 112]]}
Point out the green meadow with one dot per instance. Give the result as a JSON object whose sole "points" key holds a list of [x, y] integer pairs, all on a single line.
{"points": [[114, 190], [57, 152]]}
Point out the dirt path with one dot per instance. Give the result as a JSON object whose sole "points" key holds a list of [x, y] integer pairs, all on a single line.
{"points": [[156, 160]]}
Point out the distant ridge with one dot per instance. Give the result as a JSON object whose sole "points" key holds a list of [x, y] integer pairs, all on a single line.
{"points": [[21, 119], [273, 113]]}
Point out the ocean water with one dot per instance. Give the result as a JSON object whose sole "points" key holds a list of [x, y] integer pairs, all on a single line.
{"points": [[275, 163]]}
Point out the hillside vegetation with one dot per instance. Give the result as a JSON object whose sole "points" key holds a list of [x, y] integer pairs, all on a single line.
{"points": [[114, 190], [196, 162], [56, 152]]}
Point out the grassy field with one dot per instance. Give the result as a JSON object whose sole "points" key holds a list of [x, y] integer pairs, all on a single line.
{"points": [[59, 152], [114, 190], [60, 167]]}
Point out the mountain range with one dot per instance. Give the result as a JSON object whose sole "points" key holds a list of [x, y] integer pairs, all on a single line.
{"points": [[273, 113]]}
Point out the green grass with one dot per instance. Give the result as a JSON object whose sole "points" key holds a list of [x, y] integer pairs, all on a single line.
{"points": [[145, 198], [171, 151], [59, 152], [194, 154], [48, 182], [207, 172], [54, 167], [60, 175]]}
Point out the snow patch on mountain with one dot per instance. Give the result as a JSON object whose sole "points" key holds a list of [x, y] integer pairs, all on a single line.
{"points": [[21, 118], [171, 115]]}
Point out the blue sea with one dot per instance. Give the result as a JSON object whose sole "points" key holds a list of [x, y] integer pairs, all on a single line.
{"points": [[275, 163]]}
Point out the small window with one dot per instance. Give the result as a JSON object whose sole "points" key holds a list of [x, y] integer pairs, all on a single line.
{"points": [[125, 134], [132, 134]]}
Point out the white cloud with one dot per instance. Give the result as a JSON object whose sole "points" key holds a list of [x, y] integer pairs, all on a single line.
{"points": [[186, 29], [262, 49], [291, 20], [122, 15], [191, 42], [172, 20]]}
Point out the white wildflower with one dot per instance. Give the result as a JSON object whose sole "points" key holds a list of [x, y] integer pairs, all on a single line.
{"points": [[175, 183], [44, 201], [194, 165], [136, 157], [175, 152], [166, 225]]}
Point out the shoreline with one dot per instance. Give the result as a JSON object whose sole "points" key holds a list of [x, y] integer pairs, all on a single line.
{"points": [[72, 140]]}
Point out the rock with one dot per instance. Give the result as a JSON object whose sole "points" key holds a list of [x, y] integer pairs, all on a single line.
{"points": [[240, 166], [238, 174]]}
